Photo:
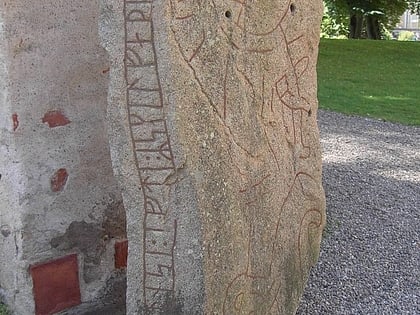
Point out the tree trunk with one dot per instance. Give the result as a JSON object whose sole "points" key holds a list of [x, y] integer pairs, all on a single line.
{"points": [[373, 27], [356, 22]]}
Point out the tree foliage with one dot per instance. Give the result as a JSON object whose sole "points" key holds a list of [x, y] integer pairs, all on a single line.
{"points": [[369, 18], [333, 25], [414, 6]]}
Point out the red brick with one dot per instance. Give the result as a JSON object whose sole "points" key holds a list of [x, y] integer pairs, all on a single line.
{"points": [[121, 253], [59, 180], [15, 121], [56, 285], [55, 118]]}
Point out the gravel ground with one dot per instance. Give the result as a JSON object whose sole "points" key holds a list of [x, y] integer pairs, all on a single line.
{"points": [[370, 253]]}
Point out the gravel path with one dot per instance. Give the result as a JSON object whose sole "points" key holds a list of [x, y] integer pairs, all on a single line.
{"points": [[370, 254]]}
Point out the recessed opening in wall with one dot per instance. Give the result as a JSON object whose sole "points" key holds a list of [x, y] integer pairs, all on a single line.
{"points": [[292, 8], [228, 14]]}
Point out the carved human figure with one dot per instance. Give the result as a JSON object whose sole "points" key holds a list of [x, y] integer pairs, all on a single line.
{"points": [[226, 56], [260, 293], [244, 69]]}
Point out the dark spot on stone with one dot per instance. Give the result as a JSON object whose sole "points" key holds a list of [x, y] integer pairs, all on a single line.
{"points": [[228, 14], [173, 305], [292, 8], [91, 239], [55, 118], [111, 298], [5, 230], [114, 223], [59, 180], [310, 113], [87, 237], [91, 272]]}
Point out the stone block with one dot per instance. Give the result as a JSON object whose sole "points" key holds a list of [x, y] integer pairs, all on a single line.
{"points": [[214, 141], [58, 194]]}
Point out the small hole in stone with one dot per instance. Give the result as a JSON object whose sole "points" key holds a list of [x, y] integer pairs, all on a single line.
{"points": [[228, 14], [292, 8], [310, 112]]}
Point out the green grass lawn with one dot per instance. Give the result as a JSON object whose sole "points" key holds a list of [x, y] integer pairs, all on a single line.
{"points": [[379, 79]]}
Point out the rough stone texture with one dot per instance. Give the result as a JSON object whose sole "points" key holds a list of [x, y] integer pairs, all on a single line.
{"points": [[58, 195], [112, 301], [212, 120]]}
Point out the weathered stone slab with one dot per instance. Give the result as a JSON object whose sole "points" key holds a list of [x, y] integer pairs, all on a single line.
{"points": [[61, 211], [214, 141]]}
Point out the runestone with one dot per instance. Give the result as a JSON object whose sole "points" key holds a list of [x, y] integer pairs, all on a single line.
{"points": [[212, 109]]}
